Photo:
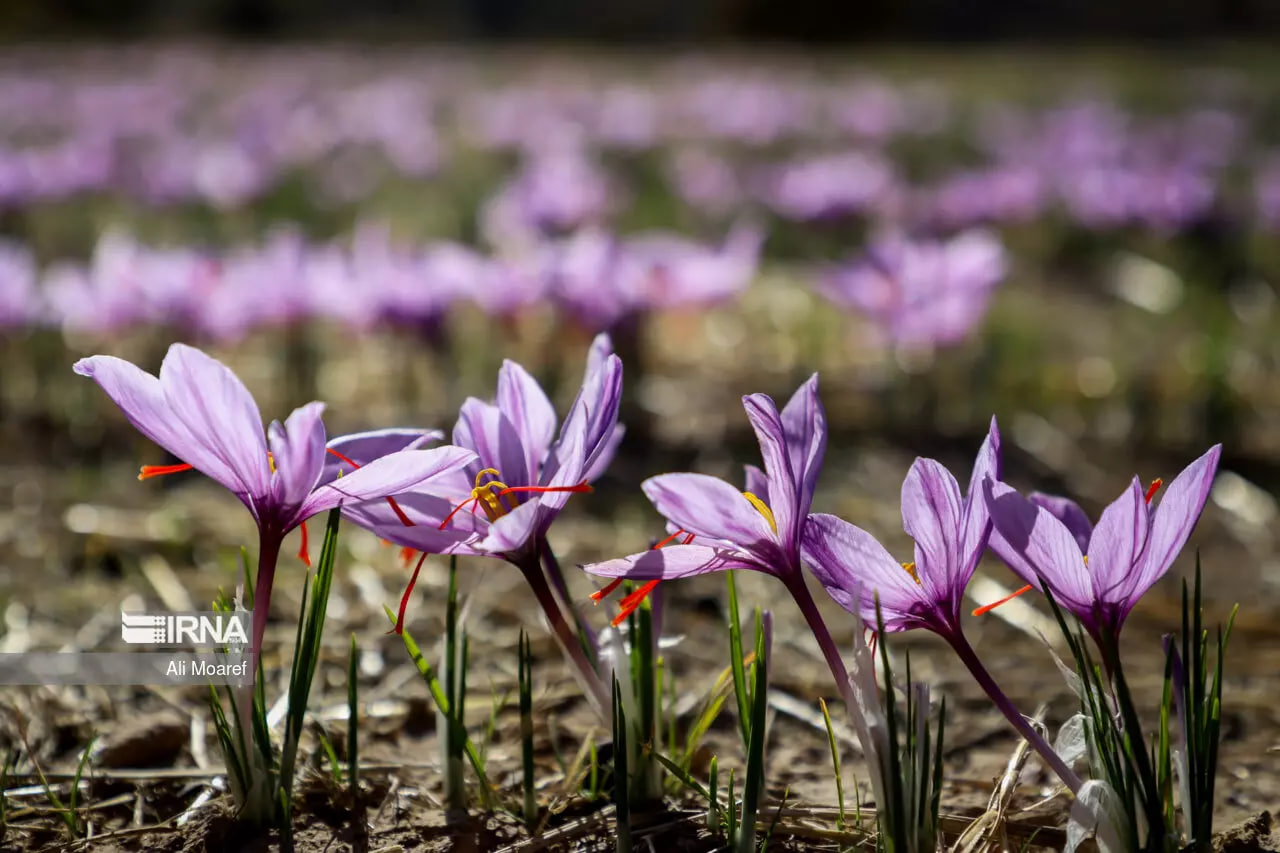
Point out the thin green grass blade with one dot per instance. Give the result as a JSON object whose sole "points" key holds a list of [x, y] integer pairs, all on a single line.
{"points": [[835, 763], [736, 662], [525, 676], [621, 792], [753, 784], [442, 702]]}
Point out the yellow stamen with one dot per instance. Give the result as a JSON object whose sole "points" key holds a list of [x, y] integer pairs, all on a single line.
{"points": [[763, 509], [911, 570]]}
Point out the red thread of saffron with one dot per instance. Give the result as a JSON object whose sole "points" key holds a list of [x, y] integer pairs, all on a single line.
{"points": [[303, 552], [404, 599], [149, 471], [986, 608], [630, 602]]}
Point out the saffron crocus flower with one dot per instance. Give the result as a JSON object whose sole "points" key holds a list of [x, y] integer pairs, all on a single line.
{"points": [[199, 411], [503, 503], [1099, 573], [950, 530], [724, 528]]}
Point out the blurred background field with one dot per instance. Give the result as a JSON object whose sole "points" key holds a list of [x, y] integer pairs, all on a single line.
{"points": [[1082, 242]]}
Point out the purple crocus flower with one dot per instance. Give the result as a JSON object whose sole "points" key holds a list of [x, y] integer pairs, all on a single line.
{"points": [[758, 529], [1099, 573], [950, 530], [503, 503], [199, 411]]}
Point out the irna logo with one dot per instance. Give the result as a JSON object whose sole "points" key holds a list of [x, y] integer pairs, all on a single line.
{"points": [[186, 629]]}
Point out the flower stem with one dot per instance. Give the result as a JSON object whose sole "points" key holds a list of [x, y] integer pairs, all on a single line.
{"points": [[569, 641], [809, 608], [1006, 706]]}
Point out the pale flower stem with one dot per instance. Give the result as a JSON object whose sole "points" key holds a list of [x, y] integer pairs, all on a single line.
{"points": [[569, 642], [809, 608], [1006, 706]]}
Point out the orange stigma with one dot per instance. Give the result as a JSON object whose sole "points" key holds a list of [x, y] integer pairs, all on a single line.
{"points": [[628, 604], [495, 496], [1153, 488], [986, 608], [149, 471], [404, 519]]}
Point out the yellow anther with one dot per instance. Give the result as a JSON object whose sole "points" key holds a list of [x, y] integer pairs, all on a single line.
{"points": [[490, 495], [763, 509], [911, 570], [271, 460]]}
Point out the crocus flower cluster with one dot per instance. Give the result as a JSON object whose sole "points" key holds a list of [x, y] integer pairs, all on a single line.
{"points": [[770, 528], [595, 278]]}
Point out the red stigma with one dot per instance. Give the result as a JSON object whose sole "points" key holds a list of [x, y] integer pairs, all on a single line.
{"points": [[345, 459], [149, 471], [631, 602], [1153, 488], [404, 599], [303, 552], [448, 518], [993, 605], [406, 555], [602, 593]]}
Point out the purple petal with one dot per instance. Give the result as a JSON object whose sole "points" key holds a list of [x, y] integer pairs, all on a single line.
{"points": [[604, 453], [671, 563], [783, 491], [1069, 513], [483, 428], [975, 525], [595, 413], [1117, 543], [600, 350], [931, 508], [393, 474], [711, 509], [222, 418], [1034, 543], [804, 422], [524, 403], [854, 568], [757, 483], [139, 396], [298, 450], [512, 531], [1174, 519], [363, 447]]}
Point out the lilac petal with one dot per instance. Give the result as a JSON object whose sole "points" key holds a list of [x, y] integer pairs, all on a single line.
{"points": [[524, 403], [854, 568], [222, 417], [712, 509], [783, 490], [569, 472], [513, 531], [931, 507], [1117, 542], [599, 351], [426, 513], [483, 428], [671, 563], [1174, 519], [139, 396], [804, 422], [1069, 513], [604, 454], [757, 483], [362, 447], [393, 474], [297, 448], [975, 525], [1034, 543], [595, 413]]}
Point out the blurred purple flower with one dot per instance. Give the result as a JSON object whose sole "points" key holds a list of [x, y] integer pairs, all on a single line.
{"points": [[921, 292]]}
